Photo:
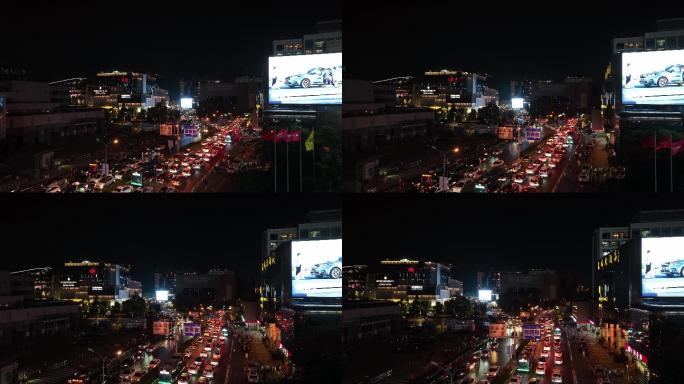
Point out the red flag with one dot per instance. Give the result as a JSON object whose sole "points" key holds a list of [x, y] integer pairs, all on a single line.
{"points": [[294, 137], [281, 135], [268, 136], [666, 143], [677, 146]]}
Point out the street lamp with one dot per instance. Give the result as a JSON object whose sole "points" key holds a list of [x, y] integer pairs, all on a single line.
{"points": [[105, 141], [448, 372], [443, 154], [457, 150], [104, 359]]}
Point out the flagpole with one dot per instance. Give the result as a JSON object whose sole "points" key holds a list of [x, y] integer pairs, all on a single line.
{"points": [[671, 181], [275, 168], [655, 161], [287, 157], [300, 163]]}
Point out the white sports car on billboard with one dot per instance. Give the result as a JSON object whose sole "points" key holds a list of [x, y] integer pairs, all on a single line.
{"points": [[672, 75]]}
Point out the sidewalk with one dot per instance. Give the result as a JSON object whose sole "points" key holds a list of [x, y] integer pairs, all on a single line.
{"points": [[259, 353], [603, 355]]}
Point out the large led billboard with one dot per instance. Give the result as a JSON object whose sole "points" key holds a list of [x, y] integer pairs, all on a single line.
{"points": [[517, 103], [162, 295], [186, 103], [305, 79], [484, 295], [662, 267], [653, 78], [317, 268]]}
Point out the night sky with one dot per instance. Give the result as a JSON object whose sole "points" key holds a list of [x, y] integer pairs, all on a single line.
{"points": [[508, 40], [149, 233], [492, 232], [187, 39]]}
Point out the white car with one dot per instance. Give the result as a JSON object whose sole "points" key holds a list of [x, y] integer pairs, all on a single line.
{"points": [[544, 171], [534, 181], [545, 353], [253, 377], [53, 189], [556, 376], [493, 371], [458, 187], [184, 378], [541, 368], [209, 371], [118, 176], [125, 189], [104, 182], [558, 359]]}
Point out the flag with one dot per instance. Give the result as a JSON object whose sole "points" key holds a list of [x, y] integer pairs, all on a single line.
{"points": [[281, 135], [268, 136], [294, 136], [310, 142], [667, 143], [677, 146]]}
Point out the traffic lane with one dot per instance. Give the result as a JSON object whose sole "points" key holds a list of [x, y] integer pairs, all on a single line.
{"points": [[499, 357], [238, 364]]}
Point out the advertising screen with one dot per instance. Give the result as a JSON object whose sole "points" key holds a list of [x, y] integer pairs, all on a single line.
{"points": [[531, 331], [317, 268], [162, 295], [506, 133], [498, 330], [161, 328], [517, 103], [306, 79], [653, 78], [662, 267], [186, 103], [484, 295], [192, 329]]}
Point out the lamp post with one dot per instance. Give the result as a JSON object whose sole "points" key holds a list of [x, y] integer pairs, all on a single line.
{"points": [[448, 372], [104, 359], [443, 155], [105, 141]]}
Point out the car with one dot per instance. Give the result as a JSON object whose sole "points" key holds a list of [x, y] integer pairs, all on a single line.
{"points": [[671, 75], [531, 169], [547, 346], [497, 163], [583, 177], [252, 377], [138, 376], [603, 380], [193, 369], [458, 186], [485, 354], [494, 346], [545, 353], [478, 174], [515, 380], [104, 182], [329, 269], [544, 171], [519, 178], [493, 371], [202, 380], [208, 371], [556, 378], [534, 181], [127, 374], [126, 189], [673, 268], [318, 76], [184, 378], [188, 354], [215, 359], [139, 355], [541, 368], [558, 359], [198, 361], [203, 353], [154, 363]]}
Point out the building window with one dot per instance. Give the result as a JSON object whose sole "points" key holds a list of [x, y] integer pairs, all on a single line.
{"points": [[665, 232], [274, 236], [336, 233], [646, 233], [304, 234], [660, 43], [671, 42], [315, 234], [620, 46], [279, 48]]}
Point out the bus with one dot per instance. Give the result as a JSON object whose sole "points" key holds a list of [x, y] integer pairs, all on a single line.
{"points": [[137, 179], [523, 365]]}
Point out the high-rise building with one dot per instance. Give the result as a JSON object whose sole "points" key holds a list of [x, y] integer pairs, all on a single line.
{"points": [[327, 39], [42, 281], [406, 279], [355, 282], [88, 280]]}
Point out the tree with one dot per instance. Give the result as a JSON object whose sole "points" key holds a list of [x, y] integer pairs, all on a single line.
{"points": [[439, 308], [117, 307], [134, 307], [490, 114], [459, 306], [472, 116]]}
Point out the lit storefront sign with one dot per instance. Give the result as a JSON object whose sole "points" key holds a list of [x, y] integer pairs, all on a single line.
{"points": [[636, 354]]}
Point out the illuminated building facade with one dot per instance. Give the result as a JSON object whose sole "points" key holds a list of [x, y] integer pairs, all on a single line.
{"points": [[42, 281], [92, 280], [132, 90], [451, 88], [410, 280]]}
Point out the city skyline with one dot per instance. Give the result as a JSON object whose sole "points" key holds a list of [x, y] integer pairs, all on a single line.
{"points": [[161, 40], [147, 246], [479, 234], [521, 41]]}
